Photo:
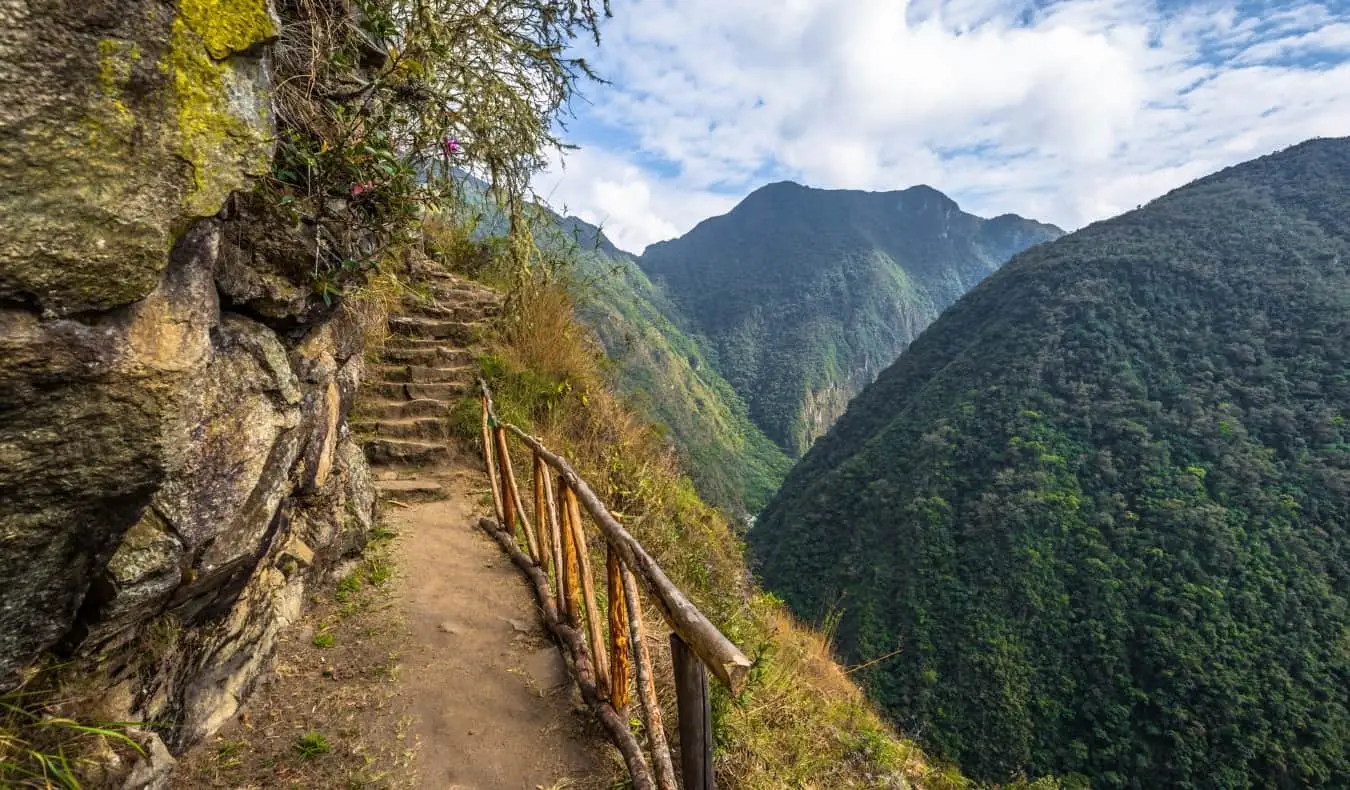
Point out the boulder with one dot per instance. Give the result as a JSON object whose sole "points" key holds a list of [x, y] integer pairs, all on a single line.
{"points": [[119, 124], [83, 405]]}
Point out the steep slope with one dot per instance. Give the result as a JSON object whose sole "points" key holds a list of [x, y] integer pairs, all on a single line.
{"points": [[665, 374], [1101, 506], [806, 294]]}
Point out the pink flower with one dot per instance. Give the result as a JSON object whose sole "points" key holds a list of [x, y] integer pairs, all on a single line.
{"points": [[450, 146], [359, 188]]}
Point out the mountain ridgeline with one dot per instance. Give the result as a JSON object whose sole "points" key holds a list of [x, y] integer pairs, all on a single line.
{"points": [[1101, 507], [804, 295]]}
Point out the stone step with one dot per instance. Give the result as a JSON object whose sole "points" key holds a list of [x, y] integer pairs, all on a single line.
{"points": [[411, 490], [420, 374], [396, 390], [407, 452], [406, 409], [430, 356], [462, 332], [453, 309], [430, 429], [457, 285]]}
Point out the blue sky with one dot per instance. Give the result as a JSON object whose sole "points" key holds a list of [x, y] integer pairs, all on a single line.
{"points": [[1066, 111]]}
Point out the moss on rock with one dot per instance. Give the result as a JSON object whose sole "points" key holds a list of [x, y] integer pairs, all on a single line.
{"points": [[230, 26], [222, 119], [120, 133]]}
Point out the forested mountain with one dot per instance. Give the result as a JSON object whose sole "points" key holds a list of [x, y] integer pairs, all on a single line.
{"points": [[1101, 507], [665, 374], [804, 295]]}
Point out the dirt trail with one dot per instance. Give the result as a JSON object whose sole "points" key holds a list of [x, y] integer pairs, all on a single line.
{"points": [[493, 702], [425, 667]]}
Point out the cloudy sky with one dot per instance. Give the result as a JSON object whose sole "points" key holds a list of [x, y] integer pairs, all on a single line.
{"points": [[1063, 110]]}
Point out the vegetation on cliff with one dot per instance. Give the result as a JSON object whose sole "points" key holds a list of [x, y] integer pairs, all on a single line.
{"points": [[1100, 507], [665, 374], [804, 295]]}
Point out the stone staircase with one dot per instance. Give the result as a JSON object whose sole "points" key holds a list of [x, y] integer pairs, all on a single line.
{"points": [[426, 369]]}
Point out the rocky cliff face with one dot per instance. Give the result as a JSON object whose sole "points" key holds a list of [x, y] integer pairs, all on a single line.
{"points": [[174, 458]]}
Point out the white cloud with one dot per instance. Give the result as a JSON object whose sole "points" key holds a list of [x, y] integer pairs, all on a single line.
{"points": [[1068, 111], [633, 208]]}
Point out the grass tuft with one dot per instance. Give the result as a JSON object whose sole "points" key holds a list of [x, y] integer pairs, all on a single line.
{"points": [[45, 743], [312, 745]]}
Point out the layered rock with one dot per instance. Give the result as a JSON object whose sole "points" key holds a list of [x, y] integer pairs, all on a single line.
{"points": [[175, 464]]}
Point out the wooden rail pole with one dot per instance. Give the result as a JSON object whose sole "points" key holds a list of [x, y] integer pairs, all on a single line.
{"points": [[593, 627], [542, 515], [504, 458], [555, 523], [571, 573], [646, 684], [691, 692], [620, 664], [487, 459], [511, 491]]}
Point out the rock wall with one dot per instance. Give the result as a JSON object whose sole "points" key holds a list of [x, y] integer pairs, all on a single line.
{"points": [[175, 465]]}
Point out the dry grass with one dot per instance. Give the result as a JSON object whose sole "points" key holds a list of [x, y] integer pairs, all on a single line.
{"points": [[370, 306], [802, 722]]}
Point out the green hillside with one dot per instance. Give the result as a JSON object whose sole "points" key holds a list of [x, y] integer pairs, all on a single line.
{"points": [[1102, 506], [665, 374], [804, 295]]}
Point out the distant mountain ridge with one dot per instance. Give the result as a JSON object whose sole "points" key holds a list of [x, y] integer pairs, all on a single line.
{"points": [[803, 295]]}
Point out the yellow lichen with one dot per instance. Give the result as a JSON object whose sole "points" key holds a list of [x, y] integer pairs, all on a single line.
{"points": [[217, 137], [111, 116], [229, 26]]}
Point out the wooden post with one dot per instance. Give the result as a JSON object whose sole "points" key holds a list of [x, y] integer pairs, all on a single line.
{"points": [[691, 691], [555, 524], [593, 627], [620, 666], [511, 491], [651, 706], [571, 575], [503, 458], [491, 467], [542, 516]]}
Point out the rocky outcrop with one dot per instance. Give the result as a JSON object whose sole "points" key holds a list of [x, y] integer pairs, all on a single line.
{"points": [[175, 464]]}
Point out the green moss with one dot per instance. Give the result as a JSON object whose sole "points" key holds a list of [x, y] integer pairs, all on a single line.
{"points": [[229, 26], [111, 121], [217, 138]]}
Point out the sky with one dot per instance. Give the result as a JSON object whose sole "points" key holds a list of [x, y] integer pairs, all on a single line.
{"points": [[1065, 111]]}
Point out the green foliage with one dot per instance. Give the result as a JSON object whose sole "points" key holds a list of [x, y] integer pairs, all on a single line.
{"points": [[381, 102], [324, 641], [45, 745], [1101, 505], [312, 744], [803, 295]]}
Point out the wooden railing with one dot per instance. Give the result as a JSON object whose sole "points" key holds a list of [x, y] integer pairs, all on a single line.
{"points": [[556, 542]]}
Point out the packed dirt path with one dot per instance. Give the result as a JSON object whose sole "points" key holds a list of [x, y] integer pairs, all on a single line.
{"points": [[423, 666], [492, 698]]}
